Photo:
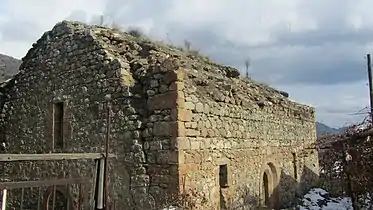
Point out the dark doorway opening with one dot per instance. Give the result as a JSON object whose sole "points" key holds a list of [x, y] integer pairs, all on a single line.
{"points": [[266, 189], [223, 183], [223, 176], [57, 200]]}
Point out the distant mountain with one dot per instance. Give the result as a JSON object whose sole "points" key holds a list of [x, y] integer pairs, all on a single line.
{"points": [[9, 66], [322, 129]]}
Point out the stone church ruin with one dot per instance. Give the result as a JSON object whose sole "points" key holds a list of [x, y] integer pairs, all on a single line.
{"points": [[179, 129]]}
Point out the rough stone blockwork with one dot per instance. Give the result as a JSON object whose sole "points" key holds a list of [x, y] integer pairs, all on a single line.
{"points": [[180, 124]]}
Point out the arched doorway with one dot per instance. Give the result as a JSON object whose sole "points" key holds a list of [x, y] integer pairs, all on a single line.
{"points": [[265, 189], [269, 182], [57, 199]]}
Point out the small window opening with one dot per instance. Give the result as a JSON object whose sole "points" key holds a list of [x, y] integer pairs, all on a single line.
{"points": [[58, 125], [223, 176], [295, 166], [266, 189]]}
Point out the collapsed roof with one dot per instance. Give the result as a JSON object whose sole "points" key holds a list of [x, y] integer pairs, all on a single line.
{"points": [[213, 80]]}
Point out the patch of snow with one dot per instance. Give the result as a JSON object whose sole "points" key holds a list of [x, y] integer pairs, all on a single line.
{"points": [[319, 199], [338, 166]]}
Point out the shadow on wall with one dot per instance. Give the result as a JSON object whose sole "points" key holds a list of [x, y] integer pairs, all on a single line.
{"points": [[283, 195]]}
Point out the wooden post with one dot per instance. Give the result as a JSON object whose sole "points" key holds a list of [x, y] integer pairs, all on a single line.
{"points": [[3, 202], [370, 85], [52, 156], [92, 200]]}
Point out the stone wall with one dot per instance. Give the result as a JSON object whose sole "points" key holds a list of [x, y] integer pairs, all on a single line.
{"points": [[246, 126], [175, 118], [83, 66]]}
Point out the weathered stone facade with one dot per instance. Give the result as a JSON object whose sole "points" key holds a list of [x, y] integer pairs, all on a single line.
{"points": [[178, 121]]}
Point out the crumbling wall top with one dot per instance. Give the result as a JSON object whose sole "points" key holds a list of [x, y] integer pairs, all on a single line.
{"points": [[144, 57]]}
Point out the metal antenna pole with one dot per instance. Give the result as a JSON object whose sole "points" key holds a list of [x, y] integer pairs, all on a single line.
{"points": [[370, 85]]}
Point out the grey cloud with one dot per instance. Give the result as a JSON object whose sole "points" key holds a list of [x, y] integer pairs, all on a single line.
{"points": [[335, 104], [77, 15], [136, 9], [331, 54], [324, 64], [126, 12], [325, 36], [20, 30], [340, 110]]}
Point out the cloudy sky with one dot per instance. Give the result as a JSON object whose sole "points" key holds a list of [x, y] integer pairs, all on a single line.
{"points": [[315, 49]]}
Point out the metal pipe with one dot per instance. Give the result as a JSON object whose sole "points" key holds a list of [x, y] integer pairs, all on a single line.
{"points": [[100, 196], [22, 197], [107, 156]]}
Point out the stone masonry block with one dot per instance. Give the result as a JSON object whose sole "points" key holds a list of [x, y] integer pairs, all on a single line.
{"points": [[167, 100], [179, 86], [188, 168], [173, 129], [181, 129], [189, 105], [195, 144], [192, 132], [165, 129], [199, 107], [167, 157], [181, 115], [164, 179], [183, 143], [174, 76]]}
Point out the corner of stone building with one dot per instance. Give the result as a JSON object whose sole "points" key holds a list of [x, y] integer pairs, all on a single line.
{"points": [[165, 98]]}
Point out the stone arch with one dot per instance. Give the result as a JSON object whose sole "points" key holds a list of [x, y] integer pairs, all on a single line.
{"points": [[266, 188], [62, 199], [269, 181]]}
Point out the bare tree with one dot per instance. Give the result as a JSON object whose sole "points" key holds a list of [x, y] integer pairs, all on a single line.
{"points": [[101, 20], [247, 64], [187, 44]]}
